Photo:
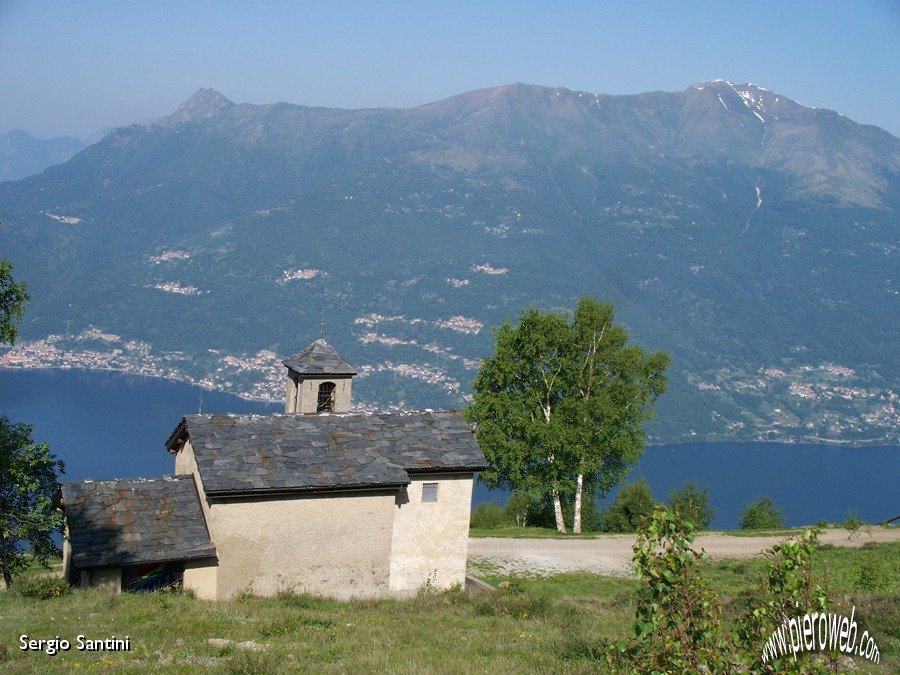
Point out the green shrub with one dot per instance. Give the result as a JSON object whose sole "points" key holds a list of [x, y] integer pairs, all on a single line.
{"points": [[788, 589], [692, 504], [874, 574], [678, 622], [761, 514], [855, 526], [517, 509], [42, 587], [632, 504], [488, 516]]}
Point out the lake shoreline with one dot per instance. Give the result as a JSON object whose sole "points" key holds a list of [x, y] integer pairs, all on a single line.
{"points": [[106, 424], [814, 441]]}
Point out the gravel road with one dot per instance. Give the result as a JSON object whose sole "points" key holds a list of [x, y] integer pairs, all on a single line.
{"points": [[611, 554]]}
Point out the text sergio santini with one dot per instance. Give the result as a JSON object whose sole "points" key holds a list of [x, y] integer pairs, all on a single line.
{"points": [[82, 644]]}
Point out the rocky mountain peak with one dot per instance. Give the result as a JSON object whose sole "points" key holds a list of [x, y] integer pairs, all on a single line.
{"points": [[203, 104]]}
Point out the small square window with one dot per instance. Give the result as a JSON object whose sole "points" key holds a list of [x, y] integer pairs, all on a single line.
{"points": [[429, 492]]}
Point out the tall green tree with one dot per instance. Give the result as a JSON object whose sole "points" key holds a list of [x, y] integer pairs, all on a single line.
{"points": [[13, 298], [28, 490], [29, 481], [613, 386], [517, 392], [562, 403]]}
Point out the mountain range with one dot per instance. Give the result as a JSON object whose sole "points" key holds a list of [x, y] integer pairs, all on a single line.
{"points": [[752, 237], [22, 155]]}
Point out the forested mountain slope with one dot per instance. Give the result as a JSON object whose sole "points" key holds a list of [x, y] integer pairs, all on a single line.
{"points": [[753, 238]]}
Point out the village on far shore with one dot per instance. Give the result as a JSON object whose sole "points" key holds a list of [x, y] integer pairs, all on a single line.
{"points": [[802, 402]]}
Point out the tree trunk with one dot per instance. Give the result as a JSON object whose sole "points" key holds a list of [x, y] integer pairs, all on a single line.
{"points": [[557, 510], [4, 563], [576, 525]]}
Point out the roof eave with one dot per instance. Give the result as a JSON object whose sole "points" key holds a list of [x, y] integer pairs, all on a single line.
{"points": [[94, 563], [289, 492], [178, 432], [321, 374], [447, 469]]}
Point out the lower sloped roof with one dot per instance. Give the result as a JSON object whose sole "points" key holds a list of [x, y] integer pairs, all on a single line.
{"points": [[125, 522]]}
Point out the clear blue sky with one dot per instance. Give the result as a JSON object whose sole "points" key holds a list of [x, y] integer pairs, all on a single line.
{"points": [[75, 68]]}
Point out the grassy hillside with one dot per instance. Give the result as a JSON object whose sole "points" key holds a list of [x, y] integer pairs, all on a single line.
{"points": [[552, 624]]}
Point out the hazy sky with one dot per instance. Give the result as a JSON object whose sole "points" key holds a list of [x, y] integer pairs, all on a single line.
{"points": [[75, 68]]}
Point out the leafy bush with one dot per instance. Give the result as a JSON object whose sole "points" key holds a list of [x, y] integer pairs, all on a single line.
{"points": [[761, 514], [43, 587], [692, 504], [487, 516], [788, 590], [632, 504], [874, 574], [855, 526], [678, 623], [517, 509]]}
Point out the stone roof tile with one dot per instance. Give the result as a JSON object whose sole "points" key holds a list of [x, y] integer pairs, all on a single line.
{"points": [[125, 522], [237, 454], [320, 358]]}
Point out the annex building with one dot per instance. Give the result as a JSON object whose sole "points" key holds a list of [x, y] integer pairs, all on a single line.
{"points": [[317, 500]]}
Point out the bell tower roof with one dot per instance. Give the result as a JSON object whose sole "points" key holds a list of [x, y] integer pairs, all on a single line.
{"points": [[319, 359]]}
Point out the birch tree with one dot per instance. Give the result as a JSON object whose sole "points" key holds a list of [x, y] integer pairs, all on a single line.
{"points": [[517, 392], [611, 389], [562, 402]]}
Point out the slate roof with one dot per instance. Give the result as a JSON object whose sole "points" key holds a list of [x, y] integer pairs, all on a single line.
{"points": [[237, 454], [124, 522], [320, 358], [437, 440]]}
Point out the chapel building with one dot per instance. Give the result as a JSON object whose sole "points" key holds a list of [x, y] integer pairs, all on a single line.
{"points": [[317, 500]]}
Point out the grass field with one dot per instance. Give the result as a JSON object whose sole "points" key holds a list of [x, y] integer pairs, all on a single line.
{"points": [[545, 624], [513, 532]]}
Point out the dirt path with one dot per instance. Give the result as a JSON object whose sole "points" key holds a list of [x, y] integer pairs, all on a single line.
{"points": [[611, 554]]}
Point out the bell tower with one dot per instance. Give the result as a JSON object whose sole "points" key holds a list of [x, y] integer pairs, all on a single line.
{"points": [[318, 381]]}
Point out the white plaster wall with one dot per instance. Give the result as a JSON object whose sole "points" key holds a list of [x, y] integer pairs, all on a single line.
{"points": [[200, 576], [186, 465], [336, 545], [430, 541], [290, 395]]}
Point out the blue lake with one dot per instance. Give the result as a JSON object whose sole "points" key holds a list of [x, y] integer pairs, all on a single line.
{"points": [[807, 482], [110, 425]]}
